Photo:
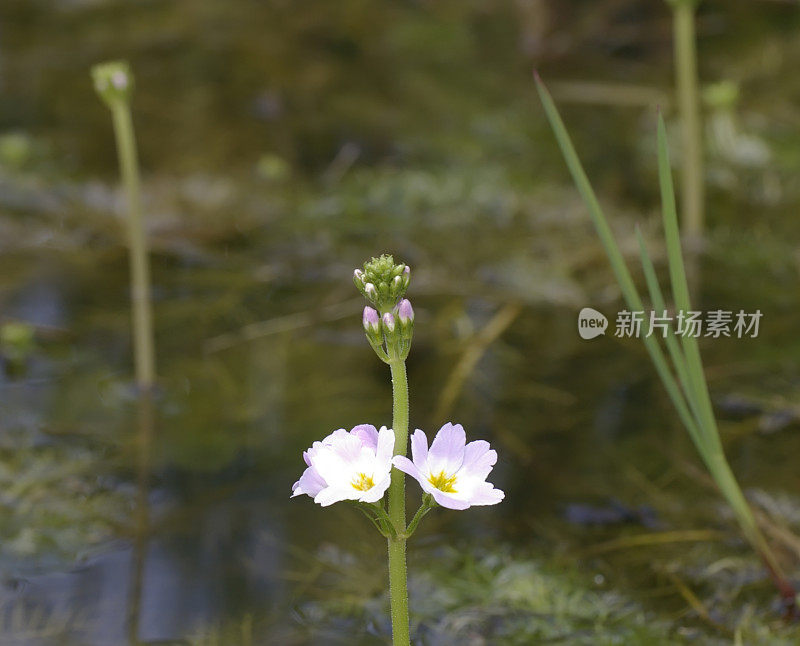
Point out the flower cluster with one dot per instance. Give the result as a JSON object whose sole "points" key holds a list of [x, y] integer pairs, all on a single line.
{"points": [[382, 282], [356, 466], [113, 81], [389, 328]]}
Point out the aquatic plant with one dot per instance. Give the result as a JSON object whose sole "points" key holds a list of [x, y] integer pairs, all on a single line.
{"points": [[683, 379], [688, 95], [113, 82], [357, 465]]}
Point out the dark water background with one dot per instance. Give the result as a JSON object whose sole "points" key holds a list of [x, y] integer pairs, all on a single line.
{"points": [[284, 143]]}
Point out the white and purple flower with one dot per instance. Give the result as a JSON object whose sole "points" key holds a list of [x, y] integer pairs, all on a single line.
{"points": [[354, 465], [452, 471]]}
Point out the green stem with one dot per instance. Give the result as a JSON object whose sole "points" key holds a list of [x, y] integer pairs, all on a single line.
{"points": [[689, 109], [398, 584], [143, 345]]}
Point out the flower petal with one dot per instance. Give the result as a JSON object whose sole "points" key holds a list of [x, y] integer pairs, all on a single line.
{"points": [[486, 494], [448, 500], [367, 434], [375, 493], [419, 449], [337, 463], [447, 450], [310, 483], [478, 460], [407, 466], [330, 495], [384, 447]]}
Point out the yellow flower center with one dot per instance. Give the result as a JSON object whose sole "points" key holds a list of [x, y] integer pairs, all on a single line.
{"points": [[363, 482], [443, 482]]}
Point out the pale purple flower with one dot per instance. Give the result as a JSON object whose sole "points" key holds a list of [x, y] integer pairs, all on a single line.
{"points": [[370, 291], [388, 321], [452, 471], [371, 321], [354, 465], [405, 312]]}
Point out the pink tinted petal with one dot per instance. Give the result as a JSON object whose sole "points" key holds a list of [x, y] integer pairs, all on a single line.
{"points": [[306, 458], [486, 494], [419, 449], [478, 460], [367, 434], [330, 495], [407, 466], [448, 500], [335, 463], [347, 447], [376, 493], [447, 450], [334, 437], [384, 446], [474, 450], [310, 483]]}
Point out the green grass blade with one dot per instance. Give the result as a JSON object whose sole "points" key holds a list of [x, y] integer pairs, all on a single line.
{"points": [[700, 422], [680, 289], [621, 272], [674, 349]]}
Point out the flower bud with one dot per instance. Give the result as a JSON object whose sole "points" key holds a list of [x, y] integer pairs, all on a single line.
{"points": [[405, 313], [113, 81], [371, 320], [388, 322], [406, 276], [397, 287], [382, 282]]}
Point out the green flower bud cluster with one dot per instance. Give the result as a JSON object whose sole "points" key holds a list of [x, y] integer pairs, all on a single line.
{"points": [[382, 282], [389, 325], [113, 81]]}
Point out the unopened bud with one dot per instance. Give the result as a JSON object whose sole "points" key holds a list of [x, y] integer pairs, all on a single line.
{"points": [[371, 320], [113, 82], [388, 322], [119, 79], [358, 280], [382, 281], [405, 313]]}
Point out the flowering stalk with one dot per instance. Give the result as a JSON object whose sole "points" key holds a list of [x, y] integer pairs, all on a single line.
{"points": [[357, 465], [114, 84], [389, 329]]}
